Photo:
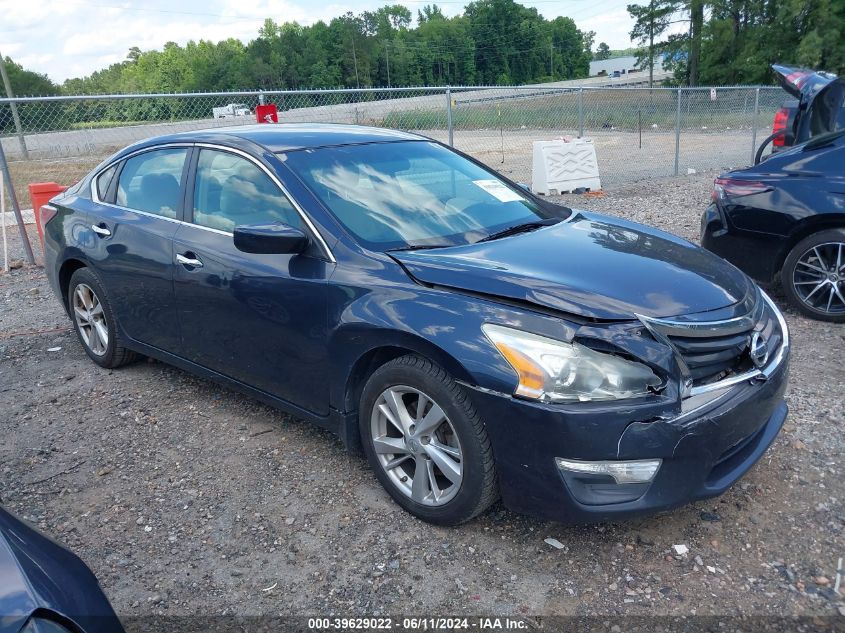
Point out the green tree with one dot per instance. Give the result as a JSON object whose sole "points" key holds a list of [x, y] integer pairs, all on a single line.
{"points": [[603, 51], [26, 82], [651, 21]]}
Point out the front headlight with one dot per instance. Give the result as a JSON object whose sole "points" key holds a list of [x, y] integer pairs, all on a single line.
{"points": [[555, 371]]}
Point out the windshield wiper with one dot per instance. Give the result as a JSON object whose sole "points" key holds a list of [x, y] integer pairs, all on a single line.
{"points": [[519, 228], [417, 247]]}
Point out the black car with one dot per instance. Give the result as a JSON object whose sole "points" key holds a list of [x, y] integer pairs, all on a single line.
{"points": [[44, 588], [817, 107], [783, 220]]}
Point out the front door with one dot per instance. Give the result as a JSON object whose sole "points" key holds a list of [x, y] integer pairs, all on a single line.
{"points": [[260, 319]]}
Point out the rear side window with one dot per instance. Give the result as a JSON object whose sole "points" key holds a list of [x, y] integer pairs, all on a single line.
{"points": [[231, 191], [151, 182], [103, 182]]}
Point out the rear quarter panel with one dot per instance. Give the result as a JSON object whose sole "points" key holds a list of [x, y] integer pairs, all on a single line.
{"points": [[67, 236]]}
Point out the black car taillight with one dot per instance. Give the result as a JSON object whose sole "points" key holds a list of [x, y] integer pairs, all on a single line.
{"points": [[730, 188], [779, 125]]}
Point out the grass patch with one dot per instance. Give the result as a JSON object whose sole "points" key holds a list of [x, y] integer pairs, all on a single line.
{"points": [[621, 110], [98, 125], [64, 172]]}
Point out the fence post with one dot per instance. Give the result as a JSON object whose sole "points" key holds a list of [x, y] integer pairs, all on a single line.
{"points": [[14, 108], [13, 198], [754, 124], [678, 132], [580, 112], [449, 115]]}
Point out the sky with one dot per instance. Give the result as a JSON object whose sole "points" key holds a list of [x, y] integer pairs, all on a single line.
{"points": [[72, 38]]}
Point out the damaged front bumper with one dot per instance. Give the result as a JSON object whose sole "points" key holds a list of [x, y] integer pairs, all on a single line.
{"points": [[702, 451]]}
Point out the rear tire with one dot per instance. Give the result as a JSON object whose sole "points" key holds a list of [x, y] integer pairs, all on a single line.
{"points": [[94, 320], [813, 276], [426, 443]]}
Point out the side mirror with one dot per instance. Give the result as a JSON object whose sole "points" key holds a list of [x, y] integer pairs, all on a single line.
{"points": [[270, 239], [525, 185]]}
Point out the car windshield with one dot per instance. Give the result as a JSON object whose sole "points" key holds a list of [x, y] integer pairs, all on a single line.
{"points": [[412, 194]]}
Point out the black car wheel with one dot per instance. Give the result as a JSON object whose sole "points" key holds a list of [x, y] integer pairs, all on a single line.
{"points": [[426, 443], [94, 320], [813, 275]]}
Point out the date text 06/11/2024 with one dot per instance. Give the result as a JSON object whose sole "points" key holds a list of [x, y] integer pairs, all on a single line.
{"points": [[418, 624]]}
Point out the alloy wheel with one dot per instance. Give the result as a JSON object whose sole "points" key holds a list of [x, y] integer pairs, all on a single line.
{"points": [[90, 319], [417, 445], [819, 278]]}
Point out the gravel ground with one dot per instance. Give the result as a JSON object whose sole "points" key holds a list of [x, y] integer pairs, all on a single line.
{"points": [[186, 498]]}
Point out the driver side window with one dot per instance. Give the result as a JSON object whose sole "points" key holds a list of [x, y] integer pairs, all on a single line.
{"points": [[230, 191]]}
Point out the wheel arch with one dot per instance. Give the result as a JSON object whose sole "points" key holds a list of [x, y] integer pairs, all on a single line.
{"points": [[386, 347], [805, 229], [66, 270]]}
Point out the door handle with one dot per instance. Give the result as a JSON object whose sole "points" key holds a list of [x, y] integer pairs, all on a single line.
{"points": [[185, 260], [100, 230]]}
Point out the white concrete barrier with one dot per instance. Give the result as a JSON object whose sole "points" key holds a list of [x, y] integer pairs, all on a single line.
{"points": [[561, 166]]}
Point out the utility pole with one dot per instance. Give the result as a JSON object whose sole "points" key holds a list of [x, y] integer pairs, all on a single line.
{"points": [[387, 57], [651, 45], [8, 86], [355, 59], [552, 59]]}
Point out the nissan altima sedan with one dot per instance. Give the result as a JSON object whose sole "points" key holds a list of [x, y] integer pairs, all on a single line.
{"points": [[474, 341]]}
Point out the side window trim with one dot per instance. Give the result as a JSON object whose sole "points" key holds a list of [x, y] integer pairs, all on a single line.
{"points": [[187, 178], [112, 199], [180, 212], [111, 195], [111, 192], [114, 169], [191, 185]]}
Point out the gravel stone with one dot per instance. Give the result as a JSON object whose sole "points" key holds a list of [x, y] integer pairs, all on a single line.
{"points": [[196, 461]]}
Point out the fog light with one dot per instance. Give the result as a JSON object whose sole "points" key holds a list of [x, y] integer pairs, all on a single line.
{"points": [[635, 472]]}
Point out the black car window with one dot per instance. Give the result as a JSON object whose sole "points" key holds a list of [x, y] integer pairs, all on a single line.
{"points": [[230, 190], [150, 182], [103, 182]]}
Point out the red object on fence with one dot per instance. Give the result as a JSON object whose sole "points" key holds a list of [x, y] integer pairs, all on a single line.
{"points": [[40, 194], [268, 113]]}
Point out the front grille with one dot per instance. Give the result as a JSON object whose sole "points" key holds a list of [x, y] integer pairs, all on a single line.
{"points": [[710, 359], [714, 351]]}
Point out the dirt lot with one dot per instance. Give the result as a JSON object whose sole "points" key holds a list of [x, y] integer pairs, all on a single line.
{"points": [[186, 498]]}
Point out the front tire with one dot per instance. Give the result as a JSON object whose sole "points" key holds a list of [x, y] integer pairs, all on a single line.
{"points": [[813, 276], [94, 320], [426, 443]]}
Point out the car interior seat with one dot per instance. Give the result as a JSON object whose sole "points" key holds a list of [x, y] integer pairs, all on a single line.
{"points": [[159, 194]]}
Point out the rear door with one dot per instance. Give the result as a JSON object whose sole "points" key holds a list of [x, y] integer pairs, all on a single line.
{"points": [[134, 224], [260, 319]]}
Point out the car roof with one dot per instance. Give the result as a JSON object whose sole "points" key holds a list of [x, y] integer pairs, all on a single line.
{"points": [[285, 137]]}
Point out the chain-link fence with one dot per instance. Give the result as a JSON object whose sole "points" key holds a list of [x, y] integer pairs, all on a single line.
{"points": [[639, 133]]}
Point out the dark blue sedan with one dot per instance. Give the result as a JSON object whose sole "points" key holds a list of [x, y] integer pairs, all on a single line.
{"points": [[475, 341]]}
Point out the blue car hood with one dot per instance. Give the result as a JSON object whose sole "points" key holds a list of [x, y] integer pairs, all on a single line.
{"points": [[37, 574], [591, 266]]}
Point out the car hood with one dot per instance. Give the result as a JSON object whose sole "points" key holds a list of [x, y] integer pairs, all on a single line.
{"points": [[590, 266], [37, 574]]}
